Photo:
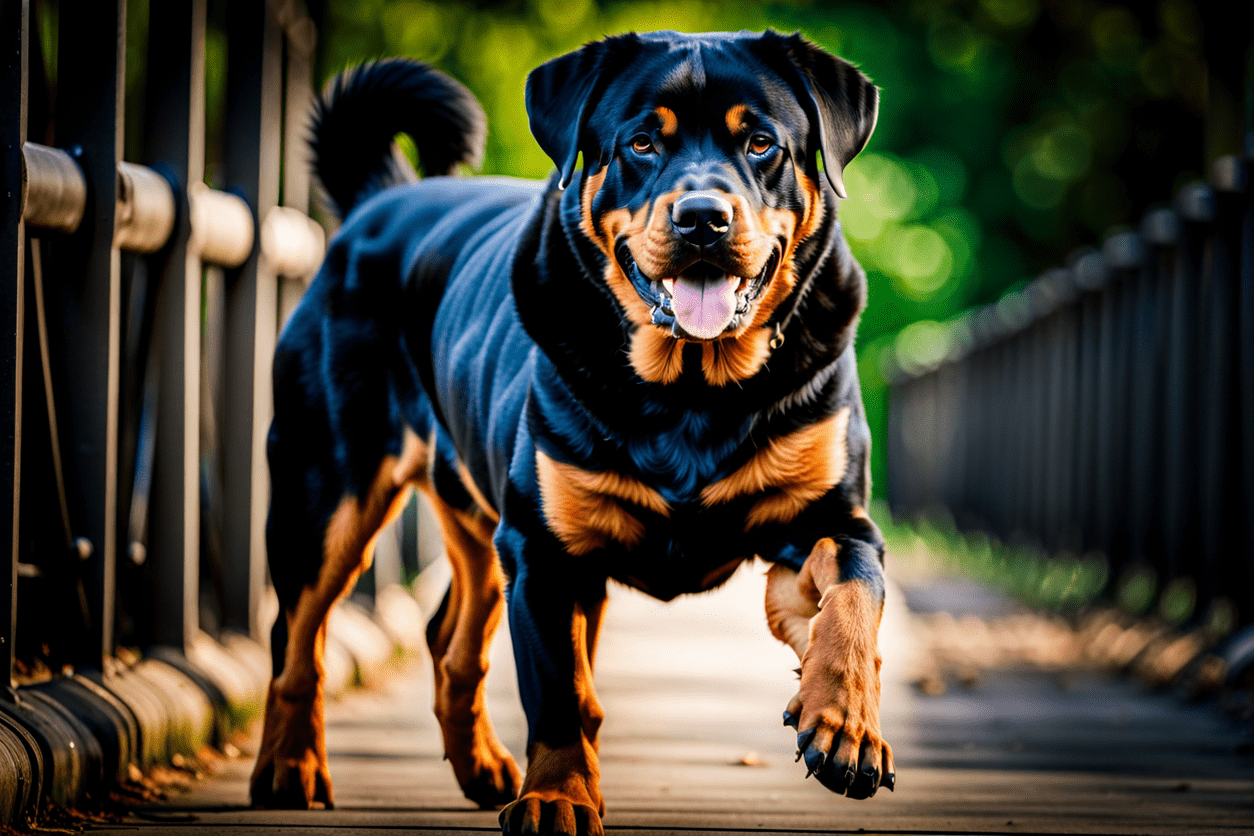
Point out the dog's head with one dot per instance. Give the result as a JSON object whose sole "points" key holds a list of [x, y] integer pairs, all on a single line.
{"points": [[700, 170]]}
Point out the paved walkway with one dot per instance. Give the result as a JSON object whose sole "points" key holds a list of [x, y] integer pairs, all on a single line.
{"points": [[693, 693]]}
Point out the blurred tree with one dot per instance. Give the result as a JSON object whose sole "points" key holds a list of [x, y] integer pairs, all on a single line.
{"points": [[1010, 131]]}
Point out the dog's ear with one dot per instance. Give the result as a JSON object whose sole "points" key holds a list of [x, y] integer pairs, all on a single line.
{"points": [[563, 92], [840, 101]]}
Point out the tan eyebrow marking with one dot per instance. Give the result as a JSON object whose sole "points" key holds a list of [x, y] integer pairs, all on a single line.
{"points": [[670, 122], [736, 118]]}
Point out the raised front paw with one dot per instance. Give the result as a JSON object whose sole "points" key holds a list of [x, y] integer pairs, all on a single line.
{"points": [[836, 712], [291, 771]]}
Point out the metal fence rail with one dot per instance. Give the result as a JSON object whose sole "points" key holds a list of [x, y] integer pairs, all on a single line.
{"points": [[1106, 410], [139, 310]]}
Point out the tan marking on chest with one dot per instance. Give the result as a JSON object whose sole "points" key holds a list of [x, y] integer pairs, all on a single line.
{"points": [[792, 471], [585, 509], [734, 359], [655, 355]]}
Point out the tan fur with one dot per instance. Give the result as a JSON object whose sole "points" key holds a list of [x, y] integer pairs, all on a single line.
{"points": [[801, 467], [832, 626], [481, 501], [655, 355], [568, 779], [737, 124], [583, 508], [788, 612], [670, 122], [728, 361], [459, 655], [293, 750]]}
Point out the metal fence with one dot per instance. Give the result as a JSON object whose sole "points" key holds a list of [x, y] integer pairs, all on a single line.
{"points": [[139, 310], [1105, 410]]}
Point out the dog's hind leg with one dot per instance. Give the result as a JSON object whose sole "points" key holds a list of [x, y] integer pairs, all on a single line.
{"points": [[291, 769], [459, 638]]}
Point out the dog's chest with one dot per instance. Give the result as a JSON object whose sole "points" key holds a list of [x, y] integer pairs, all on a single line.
{"points": [[686, 501]]}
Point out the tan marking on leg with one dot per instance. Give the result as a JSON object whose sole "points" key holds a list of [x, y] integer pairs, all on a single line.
{"points": [[801, 466], [655, 355], [291, 766], [788, 611], [468, 483], [483, 767], [567, 783], [583, 508], [583, 629], [839, 695], [669, 121], [567, 780]]}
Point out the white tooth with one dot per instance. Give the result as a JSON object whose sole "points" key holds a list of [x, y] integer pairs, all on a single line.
{"points": [[669, 284]]}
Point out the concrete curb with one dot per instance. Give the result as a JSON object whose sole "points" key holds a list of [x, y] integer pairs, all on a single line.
{"points": [[71, 740]]}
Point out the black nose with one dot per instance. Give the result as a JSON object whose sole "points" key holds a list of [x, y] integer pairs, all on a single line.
{"points": [[701, 218]]}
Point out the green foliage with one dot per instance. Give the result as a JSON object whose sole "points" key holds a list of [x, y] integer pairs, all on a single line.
{"points": [[1010, 131]]}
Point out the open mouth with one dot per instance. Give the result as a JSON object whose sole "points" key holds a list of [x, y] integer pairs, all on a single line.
{"points": [[702, 302]]}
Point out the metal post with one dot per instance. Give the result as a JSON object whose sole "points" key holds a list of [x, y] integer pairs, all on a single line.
{"points": [[174, 135], [84, 298], [297, 106], [251, 165], [13, 24]]}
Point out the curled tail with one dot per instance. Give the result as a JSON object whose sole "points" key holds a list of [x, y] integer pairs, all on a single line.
{"points": [[363, 108]]}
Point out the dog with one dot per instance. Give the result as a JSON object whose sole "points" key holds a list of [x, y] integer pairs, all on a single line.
{"points": [[641, 369]]}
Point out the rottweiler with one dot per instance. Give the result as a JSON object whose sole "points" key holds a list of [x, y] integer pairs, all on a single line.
{"points": [[641, 369]]}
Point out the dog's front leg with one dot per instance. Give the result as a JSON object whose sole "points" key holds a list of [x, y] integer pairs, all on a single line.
{"points": [[553, 620], [829, 613]]}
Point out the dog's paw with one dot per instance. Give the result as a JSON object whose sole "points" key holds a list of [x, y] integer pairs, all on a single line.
{"points": [[486, 772], [291, 770], [848, 758], [561, 794], [558, 816], [836, 711]]}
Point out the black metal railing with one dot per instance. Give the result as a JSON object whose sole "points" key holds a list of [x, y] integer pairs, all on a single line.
{"points": [[1107, 410], [139, 311]]}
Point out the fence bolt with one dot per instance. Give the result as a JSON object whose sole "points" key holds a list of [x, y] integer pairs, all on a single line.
{"points": [[292, 242], [222, 226], [54, 190], [145, 210]]}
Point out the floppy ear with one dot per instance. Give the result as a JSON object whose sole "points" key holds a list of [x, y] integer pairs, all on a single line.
{"points": [[563, 92], [842, 102]]}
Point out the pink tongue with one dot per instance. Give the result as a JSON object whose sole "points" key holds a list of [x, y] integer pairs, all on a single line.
{"points": [[704, 308]]}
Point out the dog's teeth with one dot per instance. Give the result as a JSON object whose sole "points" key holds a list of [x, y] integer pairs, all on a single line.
{"points": [[669, 284]]}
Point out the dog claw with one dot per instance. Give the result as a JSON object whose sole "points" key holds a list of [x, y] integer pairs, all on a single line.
{"points": [[804, 738], [890, 782], [791, 719]]}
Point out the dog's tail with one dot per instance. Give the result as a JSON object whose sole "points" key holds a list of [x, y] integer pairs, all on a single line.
{"points": [[363, 108]]}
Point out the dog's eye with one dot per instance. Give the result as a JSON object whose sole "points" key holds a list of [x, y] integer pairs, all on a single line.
{"points": [[642, 144], [760, 144]]}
